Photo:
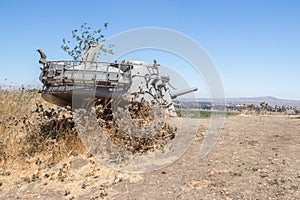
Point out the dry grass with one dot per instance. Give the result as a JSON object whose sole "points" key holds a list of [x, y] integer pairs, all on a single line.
{"points": [[40, 148], [137, 129], [31, 128]]}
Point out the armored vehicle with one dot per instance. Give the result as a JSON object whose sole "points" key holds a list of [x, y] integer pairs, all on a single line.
{"points": [[136, 80]]}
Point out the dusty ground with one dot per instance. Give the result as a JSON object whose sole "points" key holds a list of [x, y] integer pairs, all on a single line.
{"points": [[256, 157]]}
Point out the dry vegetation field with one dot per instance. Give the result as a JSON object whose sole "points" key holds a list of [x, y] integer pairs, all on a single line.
{"points": [[41, 156]]}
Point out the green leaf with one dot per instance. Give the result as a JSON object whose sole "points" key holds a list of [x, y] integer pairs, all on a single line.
{"points": [[82, 37]]}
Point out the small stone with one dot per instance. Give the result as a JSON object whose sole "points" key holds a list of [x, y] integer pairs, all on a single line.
{"points": [[67, 193]]}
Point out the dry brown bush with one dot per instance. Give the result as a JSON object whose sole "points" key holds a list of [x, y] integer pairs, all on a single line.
{"points": [[31, 127]]}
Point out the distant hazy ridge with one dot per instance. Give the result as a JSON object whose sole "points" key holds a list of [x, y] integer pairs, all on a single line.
{"points": [[251, 100]]}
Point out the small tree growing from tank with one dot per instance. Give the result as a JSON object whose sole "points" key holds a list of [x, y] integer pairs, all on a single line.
{"points": [[83, 37]]}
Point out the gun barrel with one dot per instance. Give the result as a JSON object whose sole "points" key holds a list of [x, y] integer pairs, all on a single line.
{"points": [[177, 93]]}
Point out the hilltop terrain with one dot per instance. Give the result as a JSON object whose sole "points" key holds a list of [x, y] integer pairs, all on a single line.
{"points": [[256, 157]]}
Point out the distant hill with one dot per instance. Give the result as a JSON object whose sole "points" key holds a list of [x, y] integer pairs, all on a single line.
{"points": [[251, 100], [268, 99]]}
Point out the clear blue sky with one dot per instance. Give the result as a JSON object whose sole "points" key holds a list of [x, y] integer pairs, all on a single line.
{"points": [[254, 44]]}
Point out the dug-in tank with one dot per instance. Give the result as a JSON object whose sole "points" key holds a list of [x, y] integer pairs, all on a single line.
{"points": [[140, 81]]}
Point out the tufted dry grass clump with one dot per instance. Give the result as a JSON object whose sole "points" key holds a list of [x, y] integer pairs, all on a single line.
{"points": [[137, 127], [52, 131], [133, 127], [30, 127]]}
